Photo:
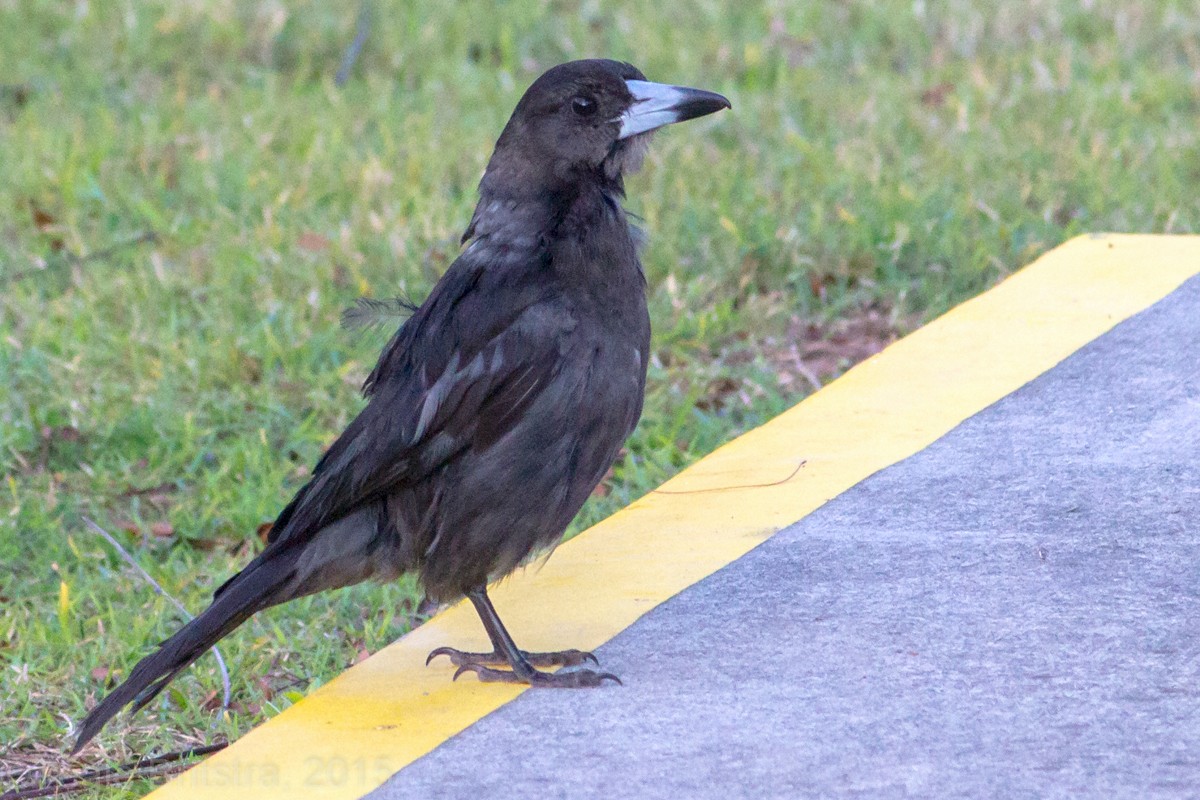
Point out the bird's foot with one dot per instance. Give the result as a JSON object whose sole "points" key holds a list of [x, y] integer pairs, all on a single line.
{"points": [[568, 679], [561, 658]]}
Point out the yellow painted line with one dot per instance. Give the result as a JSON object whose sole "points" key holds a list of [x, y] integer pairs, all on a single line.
{"points": [[352, 734]]}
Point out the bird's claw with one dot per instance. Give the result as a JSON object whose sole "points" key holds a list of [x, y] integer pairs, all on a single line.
{"points": [[568, 679], [442, 651]]}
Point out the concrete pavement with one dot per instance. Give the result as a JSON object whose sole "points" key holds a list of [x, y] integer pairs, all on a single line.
{"points": [[1014, 611]]}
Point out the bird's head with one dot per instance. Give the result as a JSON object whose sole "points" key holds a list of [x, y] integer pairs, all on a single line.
{"points": [[585, 120]]}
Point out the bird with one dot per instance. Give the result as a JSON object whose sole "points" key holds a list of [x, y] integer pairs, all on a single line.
{"points": [[497, 406]]}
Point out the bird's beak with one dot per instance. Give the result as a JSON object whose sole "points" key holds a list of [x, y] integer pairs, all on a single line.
{"points": [[657, 104]]}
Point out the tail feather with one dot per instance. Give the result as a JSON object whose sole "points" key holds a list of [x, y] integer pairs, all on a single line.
{"points": [[254, 588], [348, 551]]}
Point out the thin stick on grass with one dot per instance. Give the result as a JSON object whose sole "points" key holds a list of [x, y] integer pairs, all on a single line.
{"points": [[73, 259], [156, 767], [804, 370], [146, 575], [362, 29]]}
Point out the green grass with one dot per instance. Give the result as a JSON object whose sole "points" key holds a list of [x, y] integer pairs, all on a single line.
{"points": [[899, 156]]}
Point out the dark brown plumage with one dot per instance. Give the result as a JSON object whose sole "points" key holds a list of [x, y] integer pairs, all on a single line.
{"points": [[498, 405]]}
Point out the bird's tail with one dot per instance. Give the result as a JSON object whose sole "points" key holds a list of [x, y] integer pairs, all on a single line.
{"points": [[263, 583]]}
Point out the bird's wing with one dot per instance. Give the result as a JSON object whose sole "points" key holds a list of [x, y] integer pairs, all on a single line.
{"points": [[457, 374]]}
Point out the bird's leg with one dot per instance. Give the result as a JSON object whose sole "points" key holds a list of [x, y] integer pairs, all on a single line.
{"points": [[505, 653], [501, 642]]}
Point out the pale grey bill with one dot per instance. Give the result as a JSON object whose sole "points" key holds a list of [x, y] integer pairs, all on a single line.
{"points": [[658, 104]]}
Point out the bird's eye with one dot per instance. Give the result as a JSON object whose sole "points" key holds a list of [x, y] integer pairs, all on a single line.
{"points": [[583, 106]]}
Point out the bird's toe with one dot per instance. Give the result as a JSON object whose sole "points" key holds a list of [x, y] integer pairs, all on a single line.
{"points": [[567, 679], [561, 658]]}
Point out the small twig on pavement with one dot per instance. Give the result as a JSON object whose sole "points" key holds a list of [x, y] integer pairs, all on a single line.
{"points": [[362, 29], [155, 767], [767, 485], [146, 575]]}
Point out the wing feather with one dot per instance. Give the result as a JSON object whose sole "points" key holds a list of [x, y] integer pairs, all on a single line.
{"points": [[457, 374]]}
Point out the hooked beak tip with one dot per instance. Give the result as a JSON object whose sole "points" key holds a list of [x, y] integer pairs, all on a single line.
{"points": [[702, 104]]}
